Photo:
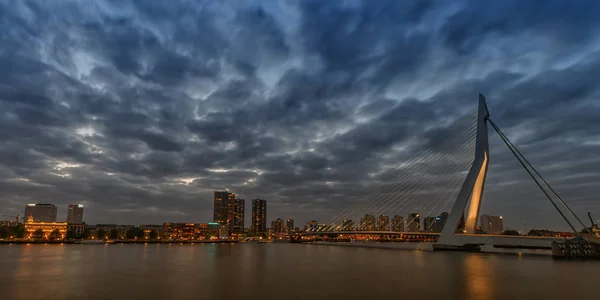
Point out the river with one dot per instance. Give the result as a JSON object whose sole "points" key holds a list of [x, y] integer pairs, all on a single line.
{"points": [[283, 271]]}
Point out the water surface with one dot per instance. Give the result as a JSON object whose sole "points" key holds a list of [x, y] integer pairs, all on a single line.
{"points": [[283, 271]]}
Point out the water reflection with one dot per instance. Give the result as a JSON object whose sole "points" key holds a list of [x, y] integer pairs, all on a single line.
{"points": [[276, 271]]}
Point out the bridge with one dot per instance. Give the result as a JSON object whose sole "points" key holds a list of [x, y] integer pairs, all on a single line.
{"points": [[449, 171]]}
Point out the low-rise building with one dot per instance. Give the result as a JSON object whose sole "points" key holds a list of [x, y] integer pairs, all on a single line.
{"points": [[46, 229]]}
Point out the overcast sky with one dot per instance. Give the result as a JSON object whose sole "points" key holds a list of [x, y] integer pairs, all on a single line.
{"points": [[141, 109]]}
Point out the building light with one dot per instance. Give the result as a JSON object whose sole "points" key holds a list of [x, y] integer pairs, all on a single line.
{"points": [[30, 204], [80, 206]]}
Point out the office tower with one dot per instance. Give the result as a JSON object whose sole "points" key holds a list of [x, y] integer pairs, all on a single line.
{"points": [[414, 222], [439, 222], [290, 225], [398, 223], [238, 215], [383, 223], [492, 224], [277, 225], [75, 214], [428, 223], [347, 225], [367, 223], [41, 212], [259, 216]]}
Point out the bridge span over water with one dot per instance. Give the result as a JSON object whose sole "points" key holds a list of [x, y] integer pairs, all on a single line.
{"points": [[460, 227]]}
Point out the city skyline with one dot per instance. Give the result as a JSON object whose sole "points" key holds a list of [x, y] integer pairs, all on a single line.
{"points": [[125, 110]]}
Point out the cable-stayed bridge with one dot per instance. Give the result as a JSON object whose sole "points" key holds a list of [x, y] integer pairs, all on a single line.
{"points": [[448, 173]]}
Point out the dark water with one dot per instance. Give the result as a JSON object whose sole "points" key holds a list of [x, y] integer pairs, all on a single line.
{"points": [[283, 271]]}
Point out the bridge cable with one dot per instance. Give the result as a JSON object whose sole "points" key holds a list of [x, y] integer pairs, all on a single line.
{"points": [[508, 144], [416, 163], [412, 184], [539, 175], [413, 193], [388, 198]]}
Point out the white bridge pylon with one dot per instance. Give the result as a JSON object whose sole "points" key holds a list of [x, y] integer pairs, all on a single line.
{"points": [[471, 191]]}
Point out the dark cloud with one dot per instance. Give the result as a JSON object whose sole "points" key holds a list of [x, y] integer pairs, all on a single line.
{"points": [[139, 110]]}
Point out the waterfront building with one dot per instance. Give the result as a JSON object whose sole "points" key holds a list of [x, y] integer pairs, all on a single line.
{"points": [[228, 211], [46, 230], [347, 225], [439, 222], [75, 214], [277, 226], [259, 217], [367, 223], [492, 224], [239, 210], [428, 223], [289, 225], [383, 223], [312, 225], [414, 222], [398, 223], [41, 212]]}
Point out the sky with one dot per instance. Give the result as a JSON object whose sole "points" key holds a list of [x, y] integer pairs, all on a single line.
{"points": [[139, 110]]}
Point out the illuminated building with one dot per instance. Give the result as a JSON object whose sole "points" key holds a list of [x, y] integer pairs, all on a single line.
{"points": [[238, 216], [367, 223], [289, 225], [398, 223], [75, 214], [277, 226], [41, 212], [414, 222], [47, 229], [312, 225], [259, 216], [223, 203], [347, 225], [428, 223], [439, 222], [229, 211], [383, 223], [492, 224]]}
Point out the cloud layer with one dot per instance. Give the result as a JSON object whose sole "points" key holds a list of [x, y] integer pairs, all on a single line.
{"points": [[140, 109]]}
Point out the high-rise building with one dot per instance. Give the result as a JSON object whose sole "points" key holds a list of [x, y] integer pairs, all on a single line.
{"points": [[413, 223], [223, 203], [383, 223], [347, 225], [290, 225], [367, 223], [428, 223], [259, 216], [492, 224], [398, 223], [277, 225], [229, 211], [41, 212], [439, 222], [238, 215], [75, 214]]}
